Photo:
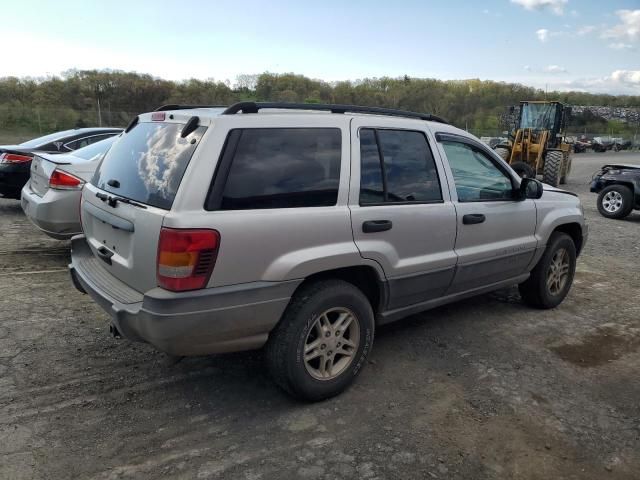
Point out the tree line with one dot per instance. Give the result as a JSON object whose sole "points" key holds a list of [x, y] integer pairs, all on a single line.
{"points": [[88, 97]]}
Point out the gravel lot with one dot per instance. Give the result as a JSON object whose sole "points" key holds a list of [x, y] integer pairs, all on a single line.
{"points": [[486, 388]]}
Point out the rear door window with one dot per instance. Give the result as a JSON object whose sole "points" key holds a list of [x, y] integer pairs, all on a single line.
{"points": [[283, 168], [396, 166], [148, 163]]}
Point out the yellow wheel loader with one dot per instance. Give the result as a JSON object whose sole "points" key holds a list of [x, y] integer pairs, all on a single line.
{"points": [[537, 147]]}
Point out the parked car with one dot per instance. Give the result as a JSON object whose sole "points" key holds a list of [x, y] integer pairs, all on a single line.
{"points": [[580, 146], [618, 189], [51, 198], [601, 144], [15, 160], [210, 231]]}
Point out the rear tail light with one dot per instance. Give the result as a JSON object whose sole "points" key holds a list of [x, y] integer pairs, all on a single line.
{"points": [[14, 158], [186, 258], [64, 181]]}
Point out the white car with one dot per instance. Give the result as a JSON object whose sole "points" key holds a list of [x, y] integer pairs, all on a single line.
{"points": [[51, 197]]}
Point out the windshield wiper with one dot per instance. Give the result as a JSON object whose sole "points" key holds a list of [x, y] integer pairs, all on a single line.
{"points": [[113, 200]]}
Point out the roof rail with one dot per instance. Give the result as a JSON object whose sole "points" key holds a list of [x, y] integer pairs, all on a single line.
{"points": [[175, 106], [254, 107]]}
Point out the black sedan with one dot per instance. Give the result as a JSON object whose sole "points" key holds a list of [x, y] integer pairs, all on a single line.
{"points": [[15, 160]]}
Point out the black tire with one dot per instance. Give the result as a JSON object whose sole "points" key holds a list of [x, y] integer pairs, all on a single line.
{"points": [[524, 170], [285, 348], [535, 291], [503, 152], [552, 166], [623, 207], [566, 169]]}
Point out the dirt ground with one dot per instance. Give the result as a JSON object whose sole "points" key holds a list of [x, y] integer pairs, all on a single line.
{"points": [[486, 388]]}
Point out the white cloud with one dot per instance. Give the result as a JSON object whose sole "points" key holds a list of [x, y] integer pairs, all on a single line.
{"points": [[628, 29], [629, 77], [619, 82], [543, 34], [587, 29], [556, 6], [527, 68], [555, 69], [485, 11], [620, 46], [574, 13]]}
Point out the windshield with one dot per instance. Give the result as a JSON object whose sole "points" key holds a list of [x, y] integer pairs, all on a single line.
{"points": [[539, 116], [95, 150], [36, 142], [148, 163]]}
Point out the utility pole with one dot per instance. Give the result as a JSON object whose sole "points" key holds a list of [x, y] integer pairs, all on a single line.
{"points": [[99, 113]]}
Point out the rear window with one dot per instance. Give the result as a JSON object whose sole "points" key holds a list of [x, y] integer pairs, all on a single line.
{"points": [[284, 168], [148, 163], [95, 150]]}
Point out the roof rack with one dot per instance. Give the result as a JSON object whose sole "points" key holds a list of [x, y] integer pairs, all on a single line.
{"points": [[175, 106], [254, 107]]}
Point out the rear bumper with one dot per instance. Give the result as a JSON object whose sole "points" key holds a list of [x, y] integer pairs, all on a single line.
{"points": [[213, 320], [56, 213], [13, 176]]}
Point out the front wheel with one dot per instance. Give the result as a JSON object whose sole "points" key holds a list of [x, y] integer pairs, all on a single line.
{"points": [[322, 340], [551, 279], [552, 167], [615, 201]]}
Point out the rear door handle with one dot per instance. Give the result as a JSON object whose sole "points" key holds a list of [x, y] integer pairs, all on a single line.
{"points": [[373, 226], [473, 218]]}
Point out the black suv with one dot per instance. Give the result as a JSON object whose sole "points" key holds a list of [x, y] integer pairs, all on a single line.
{"points": [[15, 160], [618, 186]]}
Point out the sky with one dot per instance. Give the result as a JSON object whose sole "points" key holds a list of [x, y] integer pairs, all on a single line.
{"points": [[587, 45]]}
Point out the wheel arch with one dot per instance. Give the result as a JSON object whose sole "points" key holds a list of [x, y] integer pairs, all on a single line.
{"points": [[574, 230], [365, 277]]}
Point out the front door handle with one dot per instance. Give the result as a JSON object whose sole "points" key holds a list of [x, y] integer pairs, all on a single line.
{"points": [[473, 218], [373, 226]]}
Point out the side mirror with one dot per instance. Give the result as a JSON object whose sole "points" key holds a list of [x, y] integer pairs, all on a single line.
{"points": [[530, 188]]}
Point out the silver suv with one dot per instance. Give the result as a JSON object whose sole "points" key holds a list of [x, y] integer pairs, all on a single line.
{"points": [[303, 227]]}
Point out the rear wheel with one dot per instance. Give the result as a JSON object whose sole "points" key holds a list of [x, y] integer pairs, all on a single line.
{"points": [[551, 279], [552, 167], [615, 201], [504, 153], [322, 340], [524, 170]]}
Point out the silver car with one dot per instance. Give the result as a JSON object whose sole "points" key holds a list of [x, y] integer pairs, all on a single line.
{"points": [[51, 197], [300, 228]]}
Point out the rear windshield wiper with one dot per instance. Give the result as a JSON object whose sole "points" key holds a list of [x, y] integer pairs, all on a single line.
{"points": [[113, 200]]}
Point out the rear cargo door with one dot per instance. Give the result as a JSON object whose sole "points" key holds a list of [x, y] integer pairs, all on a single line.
{"points": [[124, 205]]}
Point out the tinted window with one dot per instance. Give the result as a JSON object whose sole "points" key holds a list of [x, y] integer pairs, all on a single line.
{"points": [[95, 150], [284, 168], [409, 168], [476, 177], [371, 186], [79, 143], [148, 162]]}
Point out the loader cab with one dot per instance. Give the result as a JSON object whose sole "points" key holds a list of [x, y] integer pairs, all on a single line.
{"points": [[544, 116]]}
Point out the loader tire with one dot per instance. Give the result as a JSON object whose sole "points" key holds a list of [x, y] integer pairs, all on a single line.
{"points": [[524, 170], [566, 169], [503, 152], [552, 167]]}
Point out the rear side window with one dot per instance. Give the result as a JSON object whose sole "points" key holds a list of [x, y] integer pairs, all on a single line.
{"points": [[396, 166], [148, 163], [283, 168]]}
